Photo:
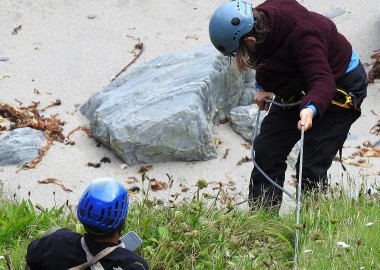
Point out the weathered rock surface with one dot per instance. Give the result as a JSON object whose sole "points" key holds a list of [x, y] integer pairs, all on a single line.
{"points": [[243, 121], [164, 109], [20, 146]]}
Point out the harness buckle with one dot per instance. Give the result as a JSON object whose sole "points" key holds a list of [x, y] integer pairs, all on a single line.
{"points": [[292, 100], [344, 100]]}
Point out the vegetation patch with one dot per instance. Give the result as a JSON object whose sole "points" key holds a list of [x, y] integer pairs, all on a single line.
{"points": [[337, 232]]}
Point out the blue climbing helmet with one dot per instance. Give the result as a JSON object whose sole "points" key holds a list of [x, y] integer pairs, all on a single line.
{"points": [[103, 205], [229, 23]]}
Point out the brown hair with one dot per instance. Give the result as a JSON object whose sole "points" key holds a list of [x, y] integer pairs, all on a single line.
{"points": [[99, 234], [251, 58]]}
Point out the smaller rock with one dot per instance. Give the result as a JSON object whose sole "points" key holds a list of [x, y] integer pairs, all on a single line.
{"points": [[376, 145], [243, 120], [334, 13], [91, 16], [20, 146], [4, 58], [352, 136]]}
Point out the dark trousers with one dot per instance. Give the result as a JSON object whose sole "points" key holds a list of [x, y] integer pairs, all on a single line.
{"points": [[279, 133], [277, 137]]}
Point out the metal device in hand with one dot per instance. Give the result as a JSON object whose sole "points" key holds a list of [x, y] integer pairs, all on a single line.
{"points": [[131, 240]]}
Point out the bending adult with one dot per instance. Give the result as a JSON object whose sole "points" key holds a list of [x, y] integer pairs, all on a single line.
{"points": [[299, 56], [102, 209]]}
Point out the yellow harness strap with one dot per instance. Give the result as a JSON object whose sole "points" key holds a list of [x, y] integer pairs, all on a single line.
{"points": [[348, 103]]}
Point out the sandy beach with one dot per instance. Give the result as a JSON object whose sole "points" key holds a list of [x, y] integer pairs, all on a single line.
{"points": [[69, 50]]}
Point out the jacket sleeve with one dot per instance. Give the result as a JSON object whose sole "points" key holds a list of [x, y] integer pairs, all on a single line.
{"points": [[309, 49], [33, 254]]}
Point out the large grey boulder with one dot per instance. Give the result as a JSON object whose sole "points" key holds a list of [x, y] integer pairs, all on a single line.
{"points": [[249, 90], [164, 109], [20, 146]]}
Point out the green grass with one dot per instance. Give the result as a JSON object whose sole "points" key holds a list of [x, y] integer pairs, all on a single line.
{"points": [[329, 220], [184, 237], [199, 235], [20, 222]]}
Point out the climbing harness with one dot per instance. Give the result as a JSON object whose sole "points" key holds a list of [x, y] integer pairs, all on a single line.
{"points": [[341, 99], [344, 99], [298, 196]]}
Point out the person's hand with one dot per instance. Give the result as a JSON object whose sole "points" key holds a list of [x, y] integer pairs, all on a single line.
{"points": [[260, 98], [306, 119]]}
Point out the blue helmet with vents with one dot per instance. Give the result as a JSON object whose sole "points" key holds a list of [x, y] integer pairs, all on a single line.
{"points": [[229, 23], [103, 205]]}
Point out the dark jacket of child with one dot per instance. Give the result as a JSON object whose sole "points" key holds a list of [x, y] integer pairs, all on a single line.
{"points": [[62, 250]]}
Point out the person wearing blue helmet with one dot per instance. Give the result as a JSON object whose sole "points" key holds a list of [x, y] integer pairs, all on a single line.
{"points": [[307, 67], [102, 209]]}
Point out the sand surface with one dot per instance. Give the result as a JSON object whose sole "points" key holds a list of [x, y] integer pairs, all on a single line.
{"points": [[69, 50]]}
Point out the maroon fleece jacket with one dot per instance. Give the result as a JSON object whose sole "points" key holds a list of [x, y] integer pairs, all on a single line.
{"points": [[303, 52]]}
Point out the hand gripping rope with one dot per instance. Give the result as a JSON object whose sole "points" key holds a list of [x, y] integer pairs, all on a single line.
{"points": [[297, 199]]}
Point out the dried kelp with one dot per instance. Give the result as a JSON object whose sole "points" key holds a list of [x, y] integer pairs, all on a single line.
{"points": [[145, 168], [41, 153], [105, 159], [16, 30], [367, 152], [138, 50], [30, 116], [374, 72], [244, 160], [83, 128], [225, 154], [359, 163], [156, 185], [376, 129], [95, 165], [134, 190], [56, 182], [131, 180]]}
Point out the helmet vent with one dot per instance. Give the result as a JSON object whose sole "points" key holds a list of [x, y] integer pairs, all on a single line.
{"points": [[86, 200], [116, 208], [123, 202], [235, 21], [236, 33], [110, 219], [101, 215], [89, 212]]}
